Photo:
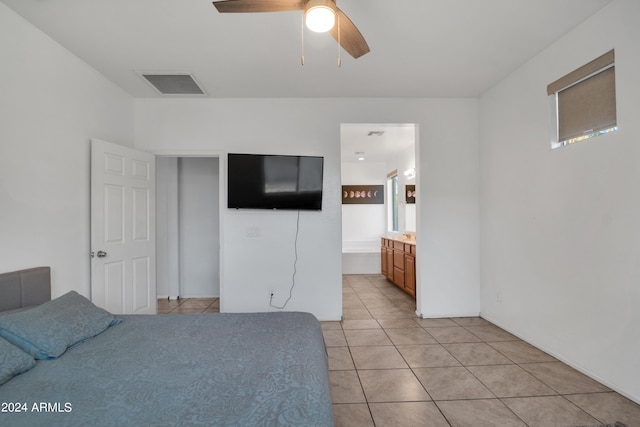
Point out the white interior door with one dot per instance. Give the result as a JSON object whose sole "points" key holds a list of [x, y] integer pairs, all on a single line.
{"points": [[123, 245]]}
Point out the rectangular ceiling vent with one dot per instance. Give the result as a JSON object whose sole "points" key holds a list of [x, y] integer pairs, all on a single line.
{"points": [[173, 83]]}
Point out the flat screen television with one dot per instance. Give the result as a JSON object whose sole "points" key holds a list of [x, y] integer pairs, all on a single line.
{"points": [[263, 181]]}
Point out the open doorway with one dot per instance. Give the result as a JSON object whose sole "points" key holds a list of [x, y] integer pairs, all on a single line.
{"points": [[382, 156], [188, 227]]}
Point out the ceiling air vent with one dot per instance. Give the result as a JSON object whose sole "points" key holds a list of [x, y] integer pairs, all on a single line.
{"points": [[174, 83]]}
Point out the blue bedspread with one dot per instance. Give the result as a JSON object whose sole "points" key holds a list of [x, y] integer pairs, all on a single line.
{"points": [[259, 369]]}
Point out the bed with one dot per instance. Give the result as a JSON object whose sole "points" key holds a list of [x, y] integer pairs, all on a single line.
{"points": [[227, 369]]}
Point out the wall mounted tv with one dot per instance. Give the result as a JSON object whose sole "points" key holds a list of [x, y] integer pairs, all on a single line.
{"points": [[262, 181]]}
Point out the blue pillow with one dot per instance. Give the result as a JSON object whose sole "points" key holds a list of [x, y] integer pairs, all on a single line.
{"points": [[46, 331], [13, 361]]}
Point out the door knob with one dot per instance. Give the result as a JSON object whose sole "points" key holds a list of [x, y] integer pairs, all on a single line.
{"points": [[102, 254]]}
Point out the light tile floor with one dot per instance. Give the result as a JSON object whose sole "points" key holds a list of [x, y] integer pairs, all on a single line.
{"points": [[389, 368], [188, 305]]}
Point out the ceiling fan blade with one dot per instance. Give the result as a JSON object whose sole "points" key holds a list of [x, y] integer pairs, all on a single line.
{"points": [[248, 6], [350, 38]]}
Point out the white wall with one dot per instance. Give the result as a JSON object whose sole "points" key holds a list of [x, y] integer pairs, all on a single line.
{"points": [[560, 236], [199, 214], [167, 228], [363, 223], [52, 103], [447, 202], [402, 161], [448, 259]]}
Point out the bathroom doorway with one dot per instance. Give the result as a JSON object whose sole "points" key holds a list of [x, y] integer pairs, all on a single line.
{"points": [[370, 153]]}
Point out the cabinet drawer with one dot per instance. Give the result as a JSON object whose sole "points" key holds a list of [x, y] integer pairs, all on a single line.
{"points": [[398, 245], [412, 250]]}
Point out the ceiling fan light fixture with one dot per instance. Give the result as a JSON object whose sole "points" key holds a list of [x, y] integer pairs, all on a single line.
{"points": [[320, 15]]}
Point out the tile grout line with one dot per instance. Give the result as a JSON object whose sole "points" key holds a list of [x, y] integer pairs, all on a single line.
{"points": [[404, 360], [414, 373], [416, 377], [354, 362], [493, 335]]}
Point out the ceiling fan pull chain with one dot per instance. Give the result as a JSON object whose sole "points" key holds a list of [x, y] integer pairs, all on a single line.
{"points": [[339, 60], [302, 40]]}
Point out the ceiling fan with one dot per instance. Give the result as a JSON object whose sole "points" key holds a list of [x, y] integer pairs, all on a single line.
{"points": [[320, 16]]}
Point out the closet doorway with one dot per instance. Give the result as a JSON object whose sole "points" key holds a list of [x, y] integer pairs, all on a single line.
{"points": [[188, 227]]}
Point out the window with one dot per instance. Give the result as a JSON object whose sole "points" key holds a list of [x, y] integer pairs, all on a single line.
{"points": [[583, 103], [392, 191]]}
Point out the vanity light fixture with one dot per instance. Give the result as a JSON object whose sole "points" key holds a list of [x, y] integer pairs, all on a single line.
{"points": [[410, 173]]}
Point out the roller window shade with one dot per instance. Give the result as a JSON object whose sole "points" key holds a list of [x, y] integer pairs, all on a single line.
{"points": [[586, 70], [588, 106], [586, 98]]}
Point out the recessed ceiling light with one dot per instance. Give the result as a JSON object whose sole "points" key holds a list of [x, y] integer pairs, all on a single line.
{"points": [[360, 158]]}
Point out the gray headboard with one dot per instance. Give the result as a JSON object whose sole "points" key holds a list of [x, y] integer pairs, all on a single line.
{"points": [[25, 288]]}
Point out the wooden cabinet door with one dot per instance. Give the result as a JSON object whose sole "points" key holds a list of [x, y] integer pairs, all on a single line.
{"points": [[398, 259], [410, 275], [398, 268], [389, 255], [398, 277]]}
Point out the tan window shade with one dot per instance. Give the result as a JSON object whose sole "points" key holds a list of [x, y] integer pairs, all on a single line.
{"points": [[586, 70], [588, 106], [585, 100]]}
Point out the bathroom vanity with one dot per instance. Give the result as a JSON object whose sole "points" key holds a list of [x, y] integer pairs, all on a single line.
{"points": [[398, 261]]}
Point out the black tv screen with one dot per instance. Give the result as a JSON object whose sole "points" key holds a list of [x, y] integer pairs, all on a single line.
{"points": [[261, 181]]}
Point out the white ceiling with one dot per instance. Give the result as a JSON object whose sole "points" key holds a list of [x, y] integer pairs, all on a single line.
{"points": [[419, 48]]}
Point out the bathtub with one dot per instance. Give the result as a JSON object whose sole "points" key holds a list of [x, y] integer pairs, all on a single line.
{"points": [[361, 257]]}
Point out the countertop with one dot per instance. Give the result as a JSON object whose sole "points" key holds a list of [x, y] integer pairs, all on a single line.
{"points": [[401, 238]]}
